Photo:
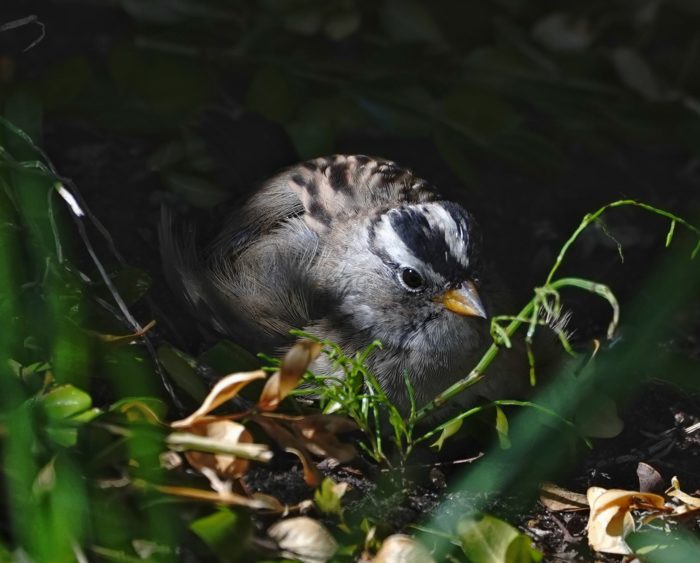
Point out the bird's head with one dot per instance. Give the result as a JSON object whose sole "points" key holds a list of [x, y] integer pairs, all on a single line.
{"points": [[410, 275]]}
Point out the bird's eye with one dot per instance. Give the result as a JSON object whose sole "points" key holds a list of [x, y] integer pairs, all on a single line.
{"points": [[411, 279]]}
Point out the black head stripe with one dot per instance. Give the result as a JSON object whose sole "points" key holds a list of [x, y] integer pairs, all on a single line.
{"points": [[428, 243]]}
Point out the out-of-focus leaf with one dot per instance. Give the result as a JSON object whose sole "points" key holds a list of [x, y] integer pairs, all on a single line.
{"points": [[303, 19], [598, 418], [410, 21], [257, 502], [195, 190], [168, 12], [486, 539], [226, 532], [64, 402], [329, 495], [147, 409], [225, 389], [182, 372], [164, 84], [401, 548], [342, 23], [635, 73], [561, 32], [303, 539], [228, 357], [272, 94]]}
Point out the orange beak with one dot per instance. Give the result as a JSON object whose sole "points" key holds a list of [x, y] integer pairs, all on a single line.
{"points": [[463, 300]]}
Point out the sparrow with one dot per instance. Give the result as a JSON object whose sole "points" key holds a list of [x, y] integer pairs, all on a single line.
{"points": [[352, 249]]}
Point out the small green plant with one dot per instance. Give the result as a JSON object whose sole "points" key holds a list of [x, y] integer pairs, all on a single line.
{"points": [[358, 394]]}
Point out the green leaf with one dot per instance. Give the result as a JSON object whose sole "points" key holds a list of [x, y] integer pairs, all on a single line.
{"points": [[181, 368], [502, 428], [227, 357], [148, 409], [226, 532], [64, 402], [328, 496], [486, 539], [450, 430]]}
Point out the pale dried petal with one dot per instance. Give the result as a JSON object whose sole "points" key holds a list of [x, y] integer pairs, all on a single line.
{"points": [[304, 539], [400, 548]]}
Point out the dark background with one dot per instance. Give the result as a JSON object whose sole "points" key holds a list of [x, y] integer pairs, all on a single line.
{"points": [[530, 113]]}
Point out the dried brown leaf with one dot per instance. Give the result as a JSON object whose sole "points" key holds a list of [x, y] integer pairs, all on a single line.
{"points": [[675, 491], [650, 480], [558, 499], [293, 368], [227, 498], [224, 432], [610, 520], [304, 539], [400, 548], [227, 388]]}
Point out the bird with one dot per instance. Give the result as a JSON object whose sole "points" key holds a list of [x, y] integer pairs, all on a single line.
{"points": [[352, 249]]}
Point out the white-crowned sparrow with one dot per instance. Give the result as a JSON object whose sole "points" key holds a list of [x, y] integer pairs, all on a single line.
{"points": [[352, 249]]}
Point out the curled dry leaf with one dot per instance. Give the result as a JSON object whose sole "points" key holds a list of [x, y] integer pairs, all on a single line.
{"points": [[227, 388], [611, 520], [224, 432], [690, 503], [400, 548], [304, 539], [294, 366], [558, 499], [292, 443], [319, 433]]}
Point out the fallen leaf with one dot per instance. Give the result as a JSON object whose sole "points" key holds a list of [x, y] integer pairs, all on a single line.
{"points": [[486, 539], [400, 548], [650, 479], [225, 389], [224, 498], [293, 368], [223, 432], [611, 520], [304, 539], [675, 492], [558, 499]]}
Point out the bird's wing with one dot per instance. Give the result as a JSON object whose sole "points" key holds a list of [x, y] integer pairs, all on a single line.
{"points": [[254, 280]]}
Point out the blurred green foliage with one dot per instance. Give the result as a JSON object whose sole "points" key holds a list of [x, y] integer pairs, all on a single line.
{"points": [[522, 82]]}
